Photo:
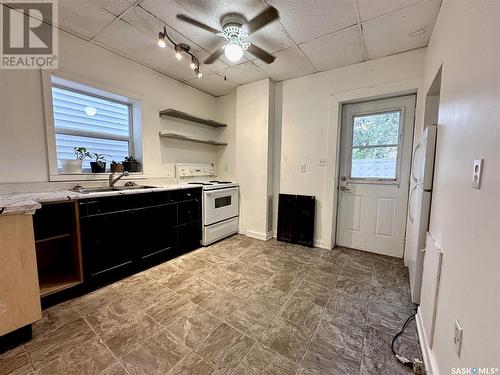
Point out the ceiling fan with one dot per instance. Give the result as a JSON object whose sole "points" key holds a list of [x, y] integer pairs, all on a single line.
{"points": [[235, 31]]}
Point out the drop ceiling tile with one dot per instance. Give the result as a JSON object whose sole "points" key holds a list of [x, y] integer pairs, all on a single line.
{"points": [[403, 30], [213, 84], [82, 17], [245, 73], [335, 50], [289, 63], [306, 20], [135, 44], [271, 38], [369, 9], [115, 7]]}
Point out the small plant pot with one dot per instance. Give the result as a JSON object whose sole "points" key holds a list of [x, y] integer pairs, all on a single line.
{"points": [[71, 166], [98, 167], [131, 166], [117, 167]]}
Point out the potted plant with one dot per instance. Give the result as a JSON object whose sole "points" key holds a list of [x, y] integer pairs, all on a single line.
{"points": [[74, 166], [99, 163], [116, 167], [131, 165]]}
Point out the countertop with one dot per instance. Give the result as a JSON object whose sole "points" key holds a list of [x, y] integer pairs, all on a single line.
{"points": [[28, 203]]}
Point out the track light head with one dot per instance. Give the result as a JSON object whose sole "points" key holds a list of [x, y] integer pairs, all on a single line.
{"points": [[161, 40], [198, 73]]}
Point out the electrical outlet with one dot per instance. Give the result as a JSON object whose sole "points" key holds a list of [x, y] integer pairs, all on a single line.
{"points": [[302, 168], [477, 174], [322, 162], [458, 337]]}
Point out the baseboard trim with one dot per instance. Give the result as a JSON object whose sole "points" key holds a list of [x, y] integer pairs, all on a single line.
{"points": [[258, 235], [428, 358]]}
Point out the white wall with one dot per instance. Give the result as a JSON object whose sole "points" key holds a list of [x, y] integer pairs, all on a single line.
{"points": [[226, 111], [465, 222], [252, 155], [310, 123], [23, 154]]}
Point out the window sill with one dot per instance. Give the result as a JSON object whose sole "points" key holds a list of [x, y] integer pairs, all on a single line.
{"points": [[93, 176]]}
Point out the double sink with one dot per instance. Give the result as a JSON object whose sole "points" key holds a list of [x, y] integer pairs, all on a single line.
{"points": [[102, 189]]}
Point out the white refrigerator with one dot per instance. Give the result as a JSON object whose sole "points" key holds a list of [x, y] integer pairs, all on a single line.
{"points": [[419, 207]]}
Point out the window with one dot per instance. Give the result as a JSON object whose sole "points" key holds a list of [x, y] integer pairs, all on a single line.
{"points": [[100, 124], [375, 145]]}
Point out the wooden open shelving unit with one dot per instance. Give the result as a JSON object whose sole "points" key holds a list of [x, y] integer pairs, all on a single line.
{"points": [[57, 245], [170, 112], [191, 139]]}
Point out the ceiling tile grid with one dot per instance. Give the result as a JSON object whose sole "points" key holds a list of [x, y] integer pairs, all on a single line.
{"points": [[309, 36]]}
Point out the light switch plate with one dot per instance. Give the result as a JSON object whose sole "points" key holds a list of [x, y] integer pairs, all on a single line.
{"points": [[477, 174]]}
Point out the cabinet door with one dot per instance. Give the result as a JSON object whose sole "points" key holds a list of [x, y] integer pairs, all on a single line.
{"points": [[156, 233], [108, 242]]}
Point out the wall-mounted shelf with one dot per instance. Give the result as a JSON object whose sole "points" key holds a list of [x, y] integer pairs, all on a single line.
{"points": [[191, 139], [186, 116]]}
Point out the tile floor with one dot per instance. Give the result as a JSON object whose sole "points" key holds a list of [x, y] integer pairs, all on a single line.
{"points": [[240, 306]]}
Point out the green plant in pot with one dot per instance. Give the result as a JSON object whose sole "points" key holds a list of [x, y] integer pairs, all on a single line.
{"points": [[74, 166], [131, 165], [115, 166], [99, 163]]}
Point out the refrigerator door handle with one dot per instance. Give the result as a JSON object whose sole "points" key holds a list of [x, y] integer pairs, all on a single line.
{"points": [[410, 208], [414, 162]]}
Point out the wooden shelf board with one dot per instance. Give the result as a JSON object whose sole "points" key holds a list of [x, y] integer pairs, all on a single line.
{"points": [[59, 236], [170, 112], [191, 139], [57, 281]]}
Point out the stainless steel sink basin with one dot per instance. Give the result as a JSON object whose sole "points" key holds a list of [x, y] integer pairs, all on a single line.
{"points": [[108, 188]]}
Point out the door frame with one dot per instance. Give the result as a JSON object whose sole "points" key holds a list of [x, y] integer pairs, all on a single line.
{"points": [[336, 101]]}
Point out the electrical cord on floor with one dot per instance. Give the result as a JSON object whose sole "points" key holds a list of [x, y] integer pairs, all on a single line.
{"points": [[416, 365]]}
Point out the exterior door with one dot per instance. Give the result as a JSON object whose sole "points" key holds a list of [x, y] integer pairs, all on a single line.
{"points": [[376, 140]]}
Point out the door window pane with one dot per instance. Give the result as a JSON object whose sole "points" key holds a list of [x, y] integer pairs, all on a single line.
{"points": [[376, 129], [375, 139]]}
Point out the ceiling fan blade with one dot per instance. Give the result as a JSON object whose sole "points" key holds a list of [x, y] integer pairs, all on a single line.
{"points": [[214, 56], [194, 22], [262, 19], [261, 54]]}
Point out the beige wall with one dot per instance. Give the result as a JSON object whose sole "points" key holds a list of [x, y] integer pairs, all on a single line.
{"points": [[310, 124], [465, 222], [23, 153]]}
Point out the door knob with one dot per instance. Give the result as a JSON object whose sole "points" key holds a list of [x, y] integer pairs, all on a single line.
{"points": [[344, 188]]}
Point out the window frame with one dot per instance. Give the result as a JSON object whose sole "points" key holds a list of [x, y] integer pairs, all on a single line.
{"points": [[399, 150], [68, 82]]}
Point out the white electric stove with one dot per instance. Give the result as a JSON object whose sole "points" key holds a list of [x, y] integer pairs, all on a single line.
{"points": [[220, 200]]}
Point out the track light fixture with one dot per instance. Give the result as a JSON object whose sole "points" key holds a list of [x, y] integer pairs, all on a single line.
{"points": [[179, 50]]}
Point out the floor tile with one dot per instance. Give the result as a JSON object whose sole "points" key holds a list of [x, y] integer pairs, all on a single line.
{"points": [[242, 287], [45, 348], [346, 304], [224, 348], [131, 333], [287, 339], [94, 300], [147, 294], [156, 355], [387, 316], [161, 271], [371, 366], [178, 279], [112, 315], [302, 312], [193, 326], [315, 293], [54, 318], [321, 278], [218, 276], [92, 357], [198, 290], [252, 319], [322, 357], [221, 304], [261, 360], [15, 361], [191, 364], [170, 308]]}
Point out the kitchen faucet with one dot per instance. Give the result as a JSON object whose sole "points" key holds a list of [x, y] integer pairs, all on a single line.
{"points": [[112, 180]]}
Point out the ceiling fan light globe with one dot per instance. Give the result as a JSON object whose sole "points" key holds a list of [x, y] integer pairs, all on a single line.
{"points": [[233, 52]]}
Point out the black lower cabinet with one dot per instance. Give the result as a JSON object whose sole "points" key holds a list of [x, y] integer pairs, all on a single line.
{"points": [[296, 219], [123, 234]]}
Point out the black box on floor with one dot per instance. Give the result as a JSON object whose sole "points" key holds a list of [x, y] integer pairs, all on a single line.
{"points": [[296, 219]]}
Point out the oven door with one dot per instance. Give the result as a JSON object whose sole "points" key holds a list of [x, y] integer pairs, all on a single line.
{"points": [[219, 205]]}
